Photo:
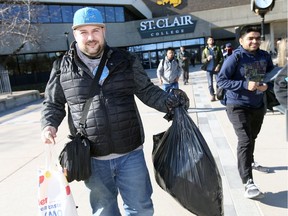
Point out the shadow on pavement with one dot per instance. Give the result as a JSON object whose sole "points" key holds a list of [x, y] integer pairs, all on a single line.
{"points": [[273, 169], [275, 199]]}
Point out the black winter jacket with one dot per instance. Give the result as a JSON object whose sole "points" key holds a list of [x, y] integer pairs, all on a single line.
{"points": [[113, 123]]}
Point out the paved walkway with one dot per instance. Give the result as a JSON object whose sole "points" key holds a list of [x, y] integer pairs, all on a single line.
{"points": [[271, 151]]}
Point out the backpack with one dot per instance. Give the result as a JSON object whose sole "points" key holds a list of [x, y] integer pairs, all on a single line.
{"points": [[220, 92], [162, 61]]}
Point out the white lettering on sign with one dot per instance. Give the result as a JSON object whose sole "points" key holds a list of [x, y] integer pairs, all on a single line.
{"points": [[164, 23], [167, 26]]}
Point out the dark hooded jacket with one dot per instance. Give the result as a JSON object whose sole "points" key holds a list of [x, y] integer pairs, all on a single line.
{"points": [[236, 72], [113, 122]]}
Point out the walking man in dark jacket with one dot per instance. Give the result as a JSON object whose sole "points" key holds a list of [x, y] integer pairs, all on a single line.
{"points": [[242, 77], [184, 61], [113, 122]]}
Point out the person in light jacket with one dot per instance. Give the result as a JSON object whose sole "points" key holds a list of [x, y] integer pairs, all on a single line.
{"points": [[169, 71]]}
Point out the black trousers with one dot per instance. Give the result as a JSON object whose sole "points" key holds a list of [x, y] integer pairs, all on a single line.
{"points": [[185, 71], [247, 124]]}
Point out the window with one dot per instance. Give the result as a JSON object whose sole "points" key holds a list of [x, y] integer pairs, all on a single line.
{"points": [[176, 44], [55, 13], [45, 61], [119, 14], [149, 47], [75, 8], [109, 14], [43, 13], [12, 64], [67, 14], [16, 12], [167, 44], [61, 13]]}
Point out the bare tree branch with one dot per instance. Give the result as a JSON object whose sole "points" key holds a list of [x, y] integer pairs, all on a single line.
{"points": [[17, 26]]}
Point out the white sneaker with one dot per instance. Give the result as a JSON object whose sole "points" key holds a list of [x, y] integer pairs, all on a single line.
{"points": [[252, 191]]}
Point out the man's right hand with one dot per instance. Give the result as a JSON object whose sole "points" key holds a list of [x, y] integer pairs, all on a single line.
{"points": [[48, 135], [252, 86], [177, 97]]}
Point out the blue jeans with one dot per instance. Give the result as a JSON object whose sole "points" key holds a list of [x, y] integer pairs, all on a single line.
{"points": [[167, 87], [210, 76], [128, 175]]}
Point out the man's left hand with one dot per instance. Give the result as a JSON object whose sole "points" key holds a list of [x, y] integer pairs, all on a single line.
{"points": [[262, 87]]}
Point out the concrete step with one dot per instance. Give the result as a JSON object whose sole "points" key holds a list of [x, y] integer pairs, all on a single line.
{"points": [[18, 98]]}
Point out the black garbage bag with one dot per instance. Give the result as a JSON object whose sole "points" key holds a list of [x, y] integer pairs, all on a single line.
{"points": [[185, 168]]}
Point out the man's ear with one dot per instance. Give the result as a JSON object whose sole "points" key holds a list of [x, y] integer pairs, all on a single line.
{"points": [[74, 33], [240, 41]]}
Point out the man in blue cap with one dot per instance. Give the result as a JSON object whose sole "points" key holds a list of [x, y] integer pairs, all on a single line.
{"points": [[228, 50], [113, 123]]}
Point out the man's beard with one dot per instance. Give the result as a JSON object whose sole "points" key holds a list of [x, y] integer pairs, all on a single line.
{"points": [[94, 52]]}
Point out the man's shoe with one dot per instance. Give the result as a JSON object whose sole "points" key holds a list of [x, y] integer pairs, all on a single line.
{"points": [[252, 191], [260, 168], [213, 98]]}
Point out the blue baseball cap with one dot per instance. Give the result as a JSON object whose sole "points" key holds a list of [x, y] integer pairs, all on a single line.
{"points": [[87, 16], [228, 45]]}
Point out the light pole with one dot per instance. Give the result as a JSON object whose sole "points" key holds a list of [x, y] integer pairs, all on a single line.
{"points": [[262, 26], [67, 41], [261, 7]]}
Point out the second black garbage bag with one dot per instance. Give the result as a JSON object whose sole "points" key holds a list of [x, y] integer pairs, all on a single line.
{"points": [[185, 168]]}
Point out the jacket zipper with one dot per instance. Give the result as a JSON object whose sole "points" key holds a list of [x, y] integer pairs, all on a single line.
{"points": [[104, 103]]}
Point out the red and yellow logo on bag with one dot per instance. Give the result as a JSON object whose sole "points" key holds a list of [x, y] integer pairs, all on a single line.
{"points": [[42, 178], [175, 3]]}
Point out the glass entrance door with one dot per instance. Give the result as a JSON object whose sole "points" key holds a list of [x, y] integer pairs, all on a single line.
{"points": [[146, 60], [153, 59], [149, 59]]}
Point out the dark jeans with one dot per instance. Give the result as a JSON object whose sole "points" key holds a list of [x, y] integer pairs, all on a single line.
{"points": [[247, 124], [185, 74], [210, 78], [193, 62]]}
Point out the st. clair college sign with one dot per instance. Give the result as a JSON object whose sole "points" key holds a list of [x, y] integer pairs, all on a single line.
{"points": [[166, 26]]}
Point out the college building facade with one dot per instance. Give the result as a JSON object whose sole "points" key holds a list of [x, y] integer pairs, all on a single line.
{"points": [[146, 27]]}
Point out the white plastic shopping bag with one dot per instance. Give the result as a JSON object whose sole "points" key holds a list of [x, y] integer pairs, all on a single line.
{"points": [[54, 194]]}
